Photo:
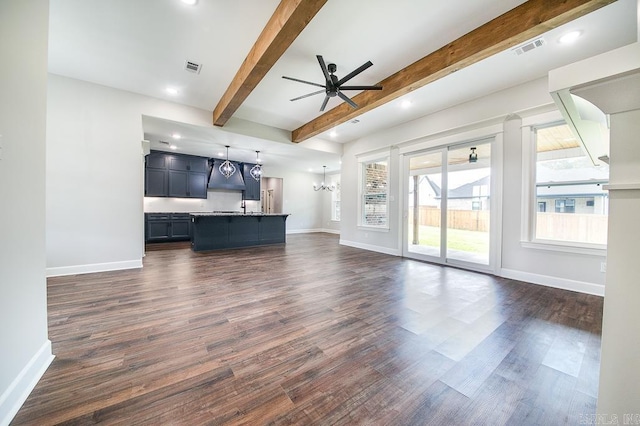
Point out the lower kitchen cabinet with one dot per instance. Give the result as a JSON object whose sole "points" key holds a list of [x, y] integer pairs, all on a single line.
{"points": [[161, 227], [180, 226], [220, 231]]}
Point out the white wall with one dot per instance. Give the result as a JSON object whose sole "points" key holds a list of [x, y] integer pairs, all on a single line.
{"points": [[95, 174], [95, 181], [25, 351], [619, 391], [299, 199], [560, 269]]}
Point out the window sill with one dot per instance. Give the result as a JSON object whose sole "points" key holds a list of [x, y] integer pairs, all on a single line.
{"points": [[373, 228], [336, 221], [590, 249]]}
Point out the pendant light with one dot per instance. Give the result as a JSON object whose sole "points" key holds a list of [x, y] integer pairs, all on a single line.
{"points": [[256, 171], [323, 186], [227, 168], [473, 157]]}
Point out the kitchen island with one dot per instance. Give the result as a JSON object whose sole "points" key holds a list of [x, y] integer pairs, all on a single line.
{"points": [[213, 231]]}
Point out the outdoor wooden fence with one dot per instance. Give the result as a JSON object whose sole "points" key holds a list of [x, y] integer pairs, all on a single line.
{"points": [[470, 220], [587, 228]]}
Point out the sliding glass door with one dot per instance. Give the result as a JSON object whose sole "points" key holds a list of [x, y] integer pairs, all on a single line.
{"points": [[448, 205], [424, 222]]}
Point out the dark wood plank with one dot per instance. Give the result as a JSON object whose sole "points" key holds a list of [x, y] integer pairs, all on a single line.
{"points": [[250, 336]]}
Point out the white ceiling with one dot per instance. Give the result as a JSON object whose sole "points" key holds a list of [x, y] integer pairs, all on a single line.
{"points": [[141, 46]]}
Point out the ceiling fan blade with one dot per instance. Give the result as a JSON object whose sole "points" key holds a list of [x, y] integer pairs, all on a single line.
{"points": [[303, 81], [308, 94], [360, 87], [324, 68], [347, 100], [324, 103], [354, 73]]}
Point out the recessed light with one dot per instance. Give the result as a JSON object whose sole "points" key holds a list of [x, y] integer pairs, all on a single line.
{"points": [[176, 136], [172, 91], [333, 134], [570, 37], [220, 154], [173, 147], [310, 170], [405, 104], [190, 2]]}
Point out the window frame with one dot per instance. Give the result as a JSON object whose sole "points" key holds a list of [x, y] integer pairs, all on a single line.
{"points": [[362, 163], [335, 198], [529, 199]]}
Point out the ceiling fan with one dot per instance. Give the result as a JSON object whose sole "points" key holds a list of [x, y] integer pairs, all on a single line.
{"points": [[334, 86]]}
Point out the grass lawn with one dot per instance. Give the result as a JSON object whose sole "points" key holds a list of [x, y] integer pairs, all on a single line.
{"points": [[457, 239]]}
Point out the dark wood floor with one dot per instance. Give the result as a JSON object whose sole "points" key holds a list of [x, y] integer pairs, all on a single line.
{"points": [[313, 333]]}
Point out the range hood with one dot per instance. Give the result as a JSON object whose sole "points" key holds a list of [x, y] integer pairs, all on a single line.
{"points": [[219, 181], [588, 123]]}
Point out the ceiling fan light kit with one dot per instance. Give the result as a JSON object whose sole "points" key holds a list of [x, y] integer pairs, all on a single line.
{"points": [[333, 85]]}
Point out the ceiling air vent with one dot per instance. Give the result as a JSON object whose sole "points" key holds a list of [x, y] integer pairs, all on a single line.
{"points": [[193, 67], [164, 143], [534, 44]]}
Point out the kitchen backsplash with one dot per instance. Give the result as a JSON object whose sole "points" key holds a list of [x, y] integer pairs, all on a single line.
{"points": [[218, 200]]}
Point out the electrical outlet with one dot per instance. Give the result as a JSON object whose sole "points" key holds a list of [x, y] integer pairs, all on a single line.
{"points": [[603, 266]]}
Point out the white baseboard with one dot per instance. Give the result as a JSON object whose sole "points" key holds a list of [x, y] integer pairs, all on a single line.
{"points": [[309, 231], [95, 267], [562, 283], [385, 250], [16, 394], [331, 231], [303, 231]]}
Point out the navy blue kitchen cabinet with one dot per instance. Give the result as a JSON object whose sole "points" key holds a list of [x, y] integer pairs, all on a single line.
{"points": [[160, 227], [213, 231], [175, 175], [252, 186], [155, 183]]}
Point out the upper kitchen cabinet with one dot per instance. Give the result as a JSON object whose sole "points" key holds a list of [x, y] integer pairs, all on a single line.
{"points": [[155, 175], [188, 163], [252, 186], [175, 175]]}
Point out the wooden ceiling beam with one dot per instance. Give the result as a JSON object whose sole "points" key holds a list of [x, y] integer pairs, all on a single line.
{"points": [[286, 23], [516, 26]]}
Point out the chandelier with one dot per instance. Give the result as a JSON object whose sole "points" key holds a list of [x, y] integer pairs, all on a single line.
{"points": [[256, 171], [227, 168], [323, 186]]}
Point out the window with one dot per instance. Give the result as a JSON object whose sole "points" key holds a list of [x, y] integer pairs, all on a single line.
{"points": [[335, 198], [374, 200], [570, 185], [566, 206]]}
